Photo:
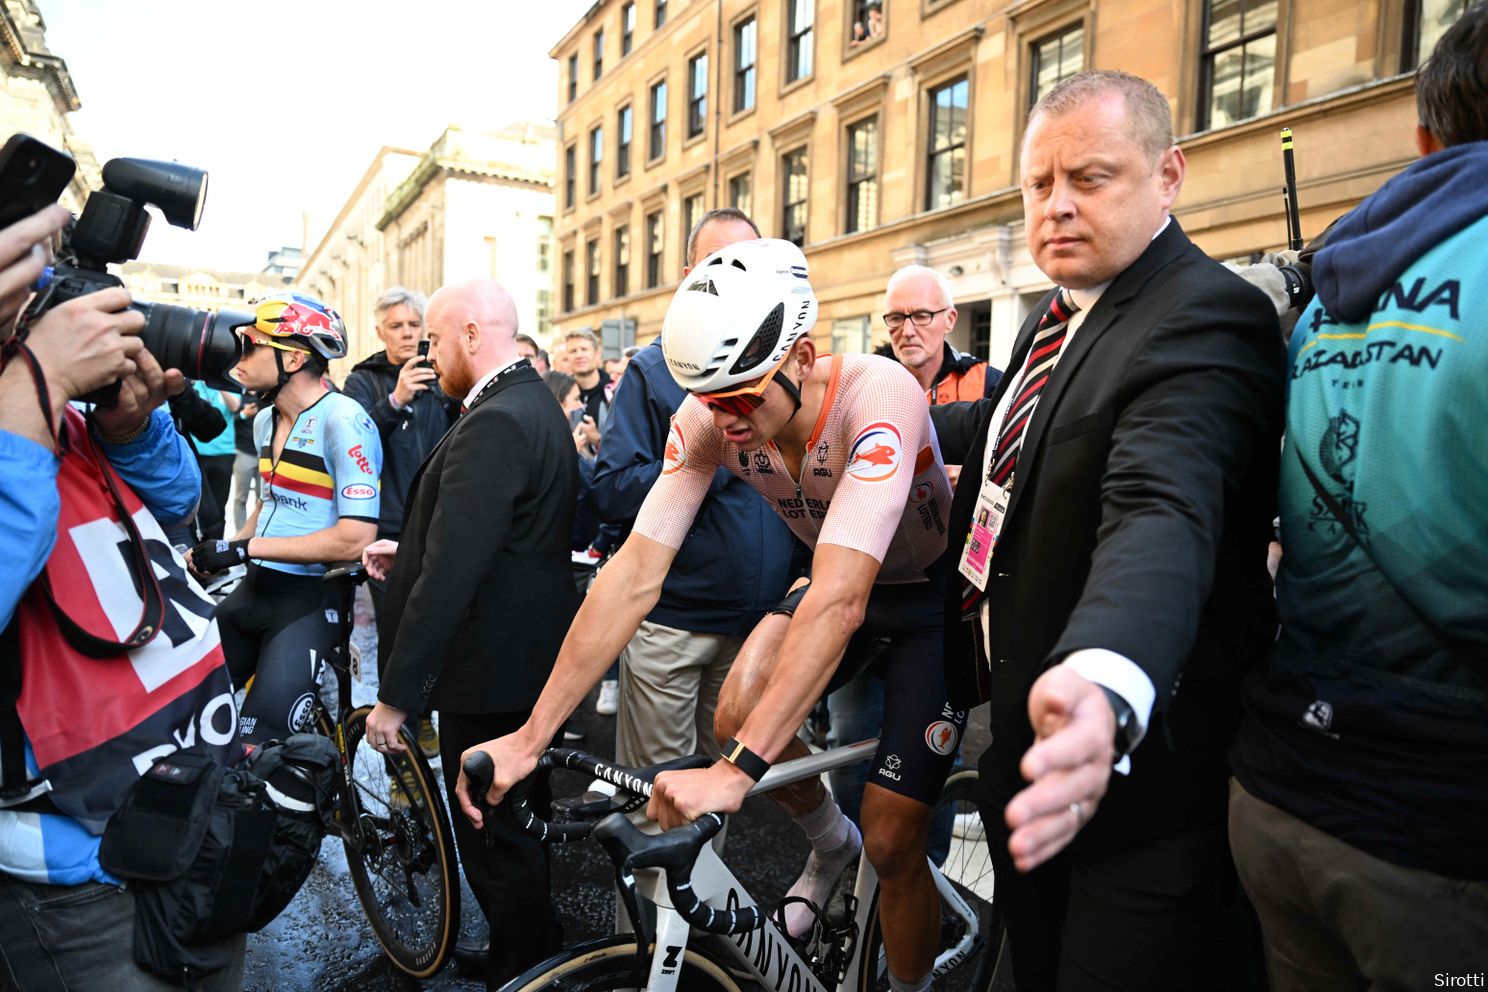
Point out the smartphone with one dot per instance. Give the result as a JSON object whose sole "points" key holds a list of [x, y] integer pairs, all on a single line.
{"points": [[33, 174], [576, 417], [423, 353]]}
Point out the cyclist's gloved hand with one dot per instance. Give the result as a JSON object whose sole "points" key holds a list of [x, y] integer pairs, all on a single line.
{"points": [[215, 556]]}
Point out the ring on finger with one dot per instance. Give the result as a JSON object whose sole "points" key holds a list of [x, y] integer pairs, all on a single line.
{"points": [[1079, 812]]}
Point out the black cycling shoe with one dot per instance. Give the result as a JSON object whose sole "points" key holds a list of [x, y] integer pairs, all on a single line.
{"points": [[473, 954]]}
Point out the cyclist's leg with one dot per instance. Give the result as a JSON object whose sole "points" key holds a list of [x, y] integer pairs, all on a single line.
{"points": [[303, 630], [242, 621], [857, 714], [916, 751]]}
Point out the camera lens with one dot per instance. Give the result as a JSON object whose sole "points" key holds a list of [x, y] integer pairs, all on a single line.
{"points": [[198, 342]]}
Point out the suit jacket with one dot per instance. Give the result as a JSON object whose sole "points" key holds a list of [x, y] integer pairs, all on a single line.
{"points": [[1141, 512], [481, 593]]}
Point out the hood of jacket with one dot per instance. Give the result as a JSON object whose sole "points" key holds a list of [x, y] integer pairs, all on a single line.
{"points": [[1371, 247]]}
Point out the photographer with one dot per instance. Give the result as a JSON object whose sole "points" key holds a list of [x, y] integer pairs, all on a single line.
{"points": [[77, 496]]}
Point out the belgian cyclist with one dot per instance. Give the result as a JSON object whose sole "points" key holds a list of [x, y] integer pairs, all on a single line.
{"points": [[320, 458], [842, 448]]}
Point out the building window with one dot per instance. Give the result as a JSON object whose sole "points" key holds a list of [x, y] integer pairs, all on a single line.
{"points": [[570, 173], [545, 244], [697, 94], [591, 270], [627, 29], [573, 76], [622, 262], [596, 157], [867, 23], [692, 212], [739, 193], [793, 196], [745, 56], [568, 280], [1056, 58], [598, 53], [661, 12], [862, 175], [544, 312], [1425, 22], [655, 241], [1238, 63], [946, 164], [798, 39], [656, 140], [622, 146]]}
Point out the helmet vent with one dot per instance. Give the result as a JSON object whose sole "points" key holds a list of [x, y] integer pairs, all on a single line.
{"points": [[763, 342], [703, 286]]}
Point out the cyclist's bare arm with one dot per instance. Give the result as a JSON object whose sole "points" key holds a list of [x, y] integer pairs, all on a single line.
{"points": [[251, 524], [623, 593], [342, 541], [829, 614]]}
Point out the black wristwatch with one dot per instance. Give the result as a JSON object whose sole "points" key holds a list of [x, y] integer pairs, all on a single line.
{"points": [[1126, 723], [744, 759]]}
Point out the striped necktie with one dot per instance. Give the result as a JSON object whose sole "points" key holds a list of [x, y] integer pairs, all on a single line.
{"points": [[1048, 341]]}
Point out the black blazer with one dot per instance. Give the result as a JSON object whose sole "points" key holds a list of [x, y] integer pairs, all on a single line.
{"points": [[1141, 512], [482, 592]]}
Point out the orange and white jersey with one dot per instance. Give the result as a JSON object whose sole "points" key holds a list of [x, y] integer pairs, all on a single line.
{"points": [[872, 478]]}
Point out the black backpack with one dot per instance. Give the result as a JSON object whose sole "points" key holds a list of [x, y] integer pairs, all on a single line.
{"points": [[239, 843]]}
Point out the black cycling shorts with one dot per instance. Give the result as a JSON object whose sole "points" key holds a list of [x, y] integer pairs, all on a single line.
{"points": [[900, 642], [278, 628]]}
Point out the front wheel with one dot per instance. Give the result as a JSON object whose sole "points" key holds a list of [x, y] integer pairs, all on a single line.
{"points": [[611, 963], [971, 932], [401, 851]]}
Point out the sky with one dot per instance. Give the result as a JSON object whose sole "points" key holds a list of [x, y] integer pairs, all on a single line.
{"points": [[285, 102]]}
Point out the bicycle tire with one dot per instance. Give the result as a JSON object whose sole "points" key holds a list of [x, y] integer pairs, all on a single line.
{"points": [[406, 879], [609, 964], [969, 868]]}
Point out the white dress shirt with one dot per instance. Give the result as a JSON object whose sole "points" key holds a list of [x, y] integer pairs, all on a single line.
{"points": [[485, 381]]}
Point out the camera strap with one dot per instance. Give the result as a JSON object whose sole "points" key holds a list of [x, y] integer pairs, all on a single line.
{"points": [[14, 346]]}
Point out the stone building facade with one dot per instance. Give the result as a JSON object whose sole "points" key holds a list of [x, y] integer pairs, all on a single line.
{"points": [[882, 132]]}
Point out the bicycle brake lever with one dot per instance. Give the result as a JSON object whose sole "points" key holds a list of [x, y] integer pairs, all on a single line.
{"points": [[481, 771]]}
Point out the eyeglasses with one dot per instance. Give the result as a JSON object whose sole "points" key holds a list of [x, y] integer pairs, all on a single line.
{"points": [[745, 400], [249, 344], [895, 320]]}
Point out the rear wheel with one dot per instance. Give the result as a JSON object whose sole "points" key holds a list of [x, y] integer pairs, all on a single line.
{"points": [[401, 851], [971, 934], [611, 963]]}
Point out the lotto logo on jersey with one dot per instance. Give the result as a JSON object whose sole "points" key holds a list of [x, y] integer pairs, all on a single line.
{"points": [[874, 454], [940, 737], [357, 455], [674, 458]]}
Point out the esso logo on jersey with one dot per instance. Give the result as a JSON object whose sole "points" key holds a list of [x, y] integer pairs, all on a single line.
{"points": [[940, 737], [358, 490], [674, 458], [875, 453]]}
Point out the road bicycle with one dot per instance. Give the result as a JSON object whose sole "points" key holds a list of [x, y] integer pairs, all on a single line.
{"points": [[391, 817], [742, 946]]}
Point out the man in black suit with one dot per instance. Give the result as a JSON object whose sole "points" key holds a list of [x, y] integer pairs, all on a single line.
{"points": [[480, 592], [1127, 467]]}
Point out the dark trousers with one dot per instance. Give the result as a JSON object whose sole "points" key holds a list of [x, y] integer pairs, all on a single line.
{"points": [[511, 879], [216, 481], [1149, 915]]}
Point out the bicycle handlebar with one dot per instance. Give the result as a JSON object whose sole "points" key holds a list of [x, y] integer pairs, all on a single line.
{"points": [[673, 851]]}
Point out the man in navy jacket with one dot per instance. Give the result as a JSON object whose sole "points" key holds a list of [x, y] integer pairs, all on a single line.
{"points": [[734, 566]]}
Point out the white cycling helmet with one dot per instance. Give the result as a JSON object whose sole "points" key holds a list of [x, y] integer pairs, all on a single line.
{"points": [[737, 314]]}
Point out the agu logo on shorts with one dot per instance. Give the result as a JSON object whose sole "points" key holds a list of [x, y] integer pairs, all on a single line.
{"points": [[674, 459], [874, 454], [940, 737], [358, 490]]}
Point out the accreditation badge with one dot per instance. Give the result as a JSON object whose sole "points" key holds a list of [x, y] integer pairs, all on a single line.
{"points": [[981, 540]]}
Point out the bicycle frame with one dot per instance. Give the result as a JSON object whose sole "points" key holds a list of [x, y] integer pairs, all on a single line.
{"points": [[766, 952]]}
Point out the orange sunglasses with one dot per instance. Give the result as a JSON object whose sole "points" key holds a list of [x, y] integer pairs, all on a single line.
{"points": [[745, 400]]}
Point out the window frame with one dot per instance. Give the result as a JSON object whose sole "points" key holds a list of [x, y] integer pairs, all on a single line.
{"points": [[1204, 64], [656, 130], [849, 184], [628, 21], [786, 204], [596, 159], [744, 78], [570, 175], [624, 121], [655, 225], [930, 154], [731, 185], [573, 76], [794, 45], [568, 296], [1412, 15], [850, 50], [1059, 33], [598, 66], [659, 15], [697, 102], [620, 239], [592, 269]]}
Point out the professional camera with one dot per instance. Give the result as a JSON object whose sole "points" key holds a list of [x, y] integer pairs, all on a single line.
{"points": [[202, 344]]}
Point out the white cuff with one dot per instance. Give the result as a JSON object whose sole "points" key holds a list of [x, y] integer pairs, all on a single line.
{"points": [[1125, 678]]}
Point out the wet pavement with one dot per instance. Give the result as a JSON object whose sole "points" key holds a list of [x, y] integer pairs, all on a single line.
{"points": [[322, 942]]}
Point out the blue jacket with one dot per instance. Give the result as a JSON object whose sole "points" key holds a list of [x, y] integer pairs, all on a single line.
{"points": [[738, 558], [1371, 720]]}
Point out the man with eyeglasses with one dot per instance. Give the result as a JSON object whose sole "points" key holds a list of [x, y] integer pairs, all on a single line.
{"points": [[919, 312], [842, 449], [320, 458]]}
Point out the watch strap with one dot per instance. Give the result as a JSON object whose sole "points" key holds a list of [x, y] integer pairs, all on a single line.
{"points": [[751, 764], [1126, 719]]}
